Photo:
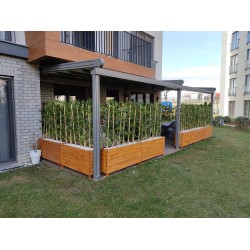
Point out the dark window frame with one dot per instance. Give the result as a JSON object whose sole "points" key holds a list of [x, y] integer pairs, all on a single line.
{"points": [[12, 119]]}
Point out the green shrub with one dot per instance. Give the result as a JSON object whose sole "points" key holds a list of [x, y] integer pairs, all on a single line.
{"points": [[216, 122], [226, 119], [193, 116], [242, 123], [71, 122]]}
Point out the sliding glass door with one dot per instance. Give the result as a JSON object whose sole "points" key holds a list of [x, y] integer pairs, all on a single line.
{"points": [[7, 142]]}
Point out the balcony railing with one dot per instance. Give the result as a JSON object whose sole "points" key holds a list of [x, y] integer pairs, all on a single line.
{"points": [[232, 91], [246, 89], [117, 44], [233, 68], [248, 64]]}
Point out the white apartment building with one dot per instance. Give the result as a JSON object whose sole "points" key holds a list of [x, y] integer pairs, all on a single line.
{"points": [[235, 74]]}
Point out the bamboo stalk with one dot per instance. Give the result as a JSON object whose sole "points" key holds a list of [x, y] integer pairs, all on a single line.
{"points": [[129, 117], [113, 123], [78, 123], [120, 125], [65, 123], [89, 123], [108, 106], [73, 122], [139, 125], [83, 124], [55, 122], [133, 136], [60, 105]]}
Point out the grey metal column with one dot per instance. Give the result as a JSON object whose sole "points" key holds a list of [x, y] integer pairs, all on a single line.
{"points": [[96, 125], [212, 106], [178, 120]]}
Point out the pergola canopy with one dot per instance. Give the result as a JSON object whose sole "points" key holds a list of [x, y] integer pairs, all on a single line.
{"points": [[83, 69], [92, 70]]}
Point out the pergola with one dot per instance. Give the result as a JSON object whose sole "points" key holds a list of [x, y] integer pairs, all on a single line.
{"points": [[95, 69]]}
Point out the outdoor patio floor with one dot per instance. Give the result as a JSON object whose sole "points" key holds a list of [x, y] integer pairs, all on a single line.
{"points": [[169, 147]]}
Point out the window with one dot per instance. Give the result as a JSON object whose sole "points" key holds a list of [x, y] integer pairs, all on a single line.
{"points": [[232, 83], [235, 40], [231, 109], [7, 142], [7, 36], [232, 87], [142, 98], [247, 109], [233, 64], [248, 37], [248, 54], [69, 93], [82, 39], [112, 94], [247, 83]]}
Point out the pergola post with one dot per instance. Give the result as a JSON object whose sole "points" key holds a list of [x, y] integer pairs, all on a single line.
{"points": [[212, 106], [178, 120], [96, 125]]}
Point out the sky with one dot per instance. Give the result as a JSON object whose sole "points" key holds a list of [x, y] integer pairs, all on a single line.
{"points": [[193, 57]]}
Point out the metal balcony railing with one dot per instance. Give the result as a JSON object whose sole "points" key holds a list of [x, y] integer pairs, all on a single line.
{"points": [[246, 89], [232, 91], [233, 68], [117, 44]]}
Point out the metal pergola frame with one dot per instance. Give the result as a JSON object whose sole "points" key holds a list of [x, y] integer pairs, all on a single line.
{"points": [[95, 68]]}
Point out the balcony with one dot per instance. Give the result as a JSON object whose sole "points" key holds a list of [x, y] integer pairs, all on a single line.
{"points": [[248, 64], [247, 90], [118, 44], [232, 91], [233, 68]]}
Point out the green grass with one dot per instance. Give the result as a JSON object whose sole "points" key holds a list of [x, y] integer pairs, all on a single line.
{"points": [[208, 179]]}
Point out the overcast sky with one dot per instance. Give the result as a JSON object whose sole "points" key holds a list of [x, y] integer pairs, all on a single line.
{"points": [[193, 57]]}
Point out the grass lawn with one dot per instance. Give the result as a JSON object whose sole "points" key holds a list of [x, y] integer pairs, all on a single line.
{"points": [[208, 179]]}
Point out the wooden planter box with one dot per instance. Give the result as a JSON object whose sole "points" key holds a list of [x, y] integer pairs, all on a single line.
{"points": [[78, 159], [112, 159], [117, 158], [152, 148], [50, 150], [194, 135], [68, 156]]}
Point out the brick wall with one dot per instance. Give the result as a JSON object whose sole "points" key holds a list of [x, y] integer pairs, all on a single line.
{"points": [[27, 103]]}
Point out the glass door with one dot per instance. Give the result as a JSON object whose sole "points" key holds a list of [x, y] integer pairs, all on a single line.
{"points": [[7, 143]]}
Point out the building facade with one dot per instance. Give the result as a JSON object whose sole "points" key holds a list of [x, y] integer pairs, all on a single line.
{"points": [[137, 53], [19, 100], [235, 74], [24, 88]]}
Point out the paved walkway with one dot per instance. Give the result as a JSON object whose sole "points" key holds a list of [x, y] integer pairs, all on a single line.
{"points": [[169, 147]]}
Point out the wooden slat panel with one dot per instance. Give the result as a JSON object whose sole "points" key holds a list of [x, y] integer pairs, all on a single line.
{"points": [[50, 150], [192, 136], [152, 148]]}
